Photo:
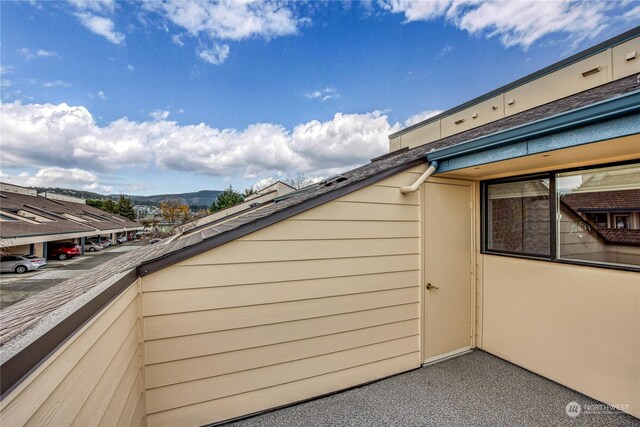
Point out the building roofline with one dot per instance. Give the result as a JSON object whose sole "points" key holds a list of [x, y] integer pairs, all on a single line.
{"points": [[608, 109], [151, 266], [621, 38]]}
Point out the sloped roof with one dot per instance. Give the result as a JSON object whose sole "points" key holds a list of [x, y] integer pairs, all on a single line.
{"points": [[621, 236], [54, 211], [621, 200]]}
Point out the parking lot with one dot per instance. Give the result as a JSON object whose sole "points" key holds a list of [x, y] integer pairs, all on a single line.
{"points": [[16, 287]]}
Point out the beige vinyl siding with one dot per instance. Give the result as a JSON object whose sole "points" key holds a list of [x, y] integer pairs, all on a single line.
{"points": [[93, 379], [576, 325], [325, 300]]}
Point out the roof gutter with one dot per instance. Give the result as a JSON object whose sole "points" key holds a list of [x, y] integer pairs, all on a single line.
{"points": [[433, 166], [598, 112]]}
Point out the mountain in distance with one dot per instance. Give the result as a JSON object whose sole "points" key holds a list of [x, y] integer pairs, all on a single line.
{"points": [[202, 198], [198, 198]]}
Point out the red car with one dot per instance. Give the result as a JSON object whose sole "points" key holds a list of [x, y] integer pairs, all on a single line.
{"points": [[63, 251]]}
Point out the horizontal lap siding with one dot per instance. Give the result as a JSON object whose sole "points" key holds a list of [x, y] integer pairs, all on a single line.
{"points": [[325, 300], [91, 380]]}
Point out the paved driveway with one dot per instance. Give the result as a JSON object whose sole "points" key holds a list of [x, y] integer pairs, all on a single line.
{"points": [[16, 287]]}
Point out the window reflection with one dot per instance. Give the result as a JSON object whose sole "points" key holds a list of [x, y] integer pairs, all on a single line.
{"points": [[599, 215], [519, 217]]}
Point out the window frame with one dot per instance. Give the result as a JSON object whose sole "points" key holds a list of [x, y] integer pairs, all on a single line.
{"points": [[553, 215], [485, 216]]}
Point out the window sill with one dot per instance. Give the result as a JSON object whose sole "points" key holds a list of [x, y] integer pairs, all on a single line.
{"points": [[563, 261]]}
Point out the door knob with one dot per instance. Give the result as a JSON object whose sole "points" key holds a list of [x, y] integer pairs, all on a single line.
{"points": [[430, 286]]}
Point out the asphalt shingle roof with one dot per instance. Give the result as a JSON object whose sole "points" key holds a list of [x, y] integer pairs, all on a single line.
{"points": [[628, 200], [54, 210]]}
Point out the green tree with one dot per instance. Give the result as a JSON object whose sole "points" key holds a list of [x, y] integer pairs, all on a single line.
{"points": [[248, 192], [109, 206], [96, 203], [125, 208], [226, 199]]}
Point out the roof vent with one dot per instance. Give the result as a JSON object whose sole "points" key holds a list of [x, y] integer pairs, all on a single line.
{"points": [[333, 180]]}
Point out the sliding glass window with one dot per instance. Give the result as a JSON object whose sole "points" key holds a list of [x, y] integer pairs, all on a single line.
{"points": [[587, 216]]}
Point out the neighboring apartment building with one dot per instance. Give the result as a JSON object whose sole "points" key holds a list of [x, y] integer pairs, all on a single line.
{"points": [[29, 221], [471, 233]]}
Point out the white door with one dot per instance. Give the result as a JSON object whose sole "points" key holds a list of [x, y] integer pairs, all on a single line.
{"points": [[448, 268]]}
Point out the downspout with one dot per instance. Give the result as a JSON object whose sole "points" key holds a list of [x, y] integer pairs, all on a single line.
{"points": [[413, 187]]}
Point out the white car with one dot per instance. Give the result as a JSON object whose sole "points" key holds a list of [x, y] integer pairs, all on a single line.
{"points": [[121, 239], [21, 263], [92, 246]]}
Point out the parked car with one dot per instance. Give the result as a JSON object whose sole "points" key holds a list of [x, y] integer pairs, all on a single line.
{"points": [[63, 251], [101, 242], [121, 239], [21, 263], [92, 246]]}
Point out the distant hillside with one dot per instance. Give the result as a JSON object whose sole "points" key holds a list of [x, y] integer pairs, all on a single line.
{"points": [[198, 198]]}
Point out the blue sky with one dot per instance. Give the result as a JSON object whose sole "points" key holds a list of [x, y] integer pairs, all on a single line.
{"points": [[176, 96]]}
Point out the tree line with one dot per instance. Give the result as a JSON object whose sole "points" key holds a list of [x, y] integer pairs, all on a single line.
{"points": [[122, 207], [175, 211]]}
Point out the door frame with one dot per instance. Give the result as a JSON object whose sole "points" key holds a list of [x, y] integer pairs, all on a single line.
{"points": [[473, 189]]}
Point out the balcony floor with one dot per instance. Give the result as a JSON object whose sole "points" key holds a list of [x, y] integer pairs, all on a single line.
{"points": [[476, 389]]}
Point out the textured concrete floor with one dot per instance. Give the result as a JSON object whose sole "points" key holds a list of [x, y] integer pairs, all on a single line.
{"points": [[472, 390]]}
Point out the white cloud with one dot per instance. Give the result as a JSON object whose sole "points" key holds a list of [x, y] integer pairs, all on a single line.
{"points": [[264, 183], [136, 187], [102, 26], [325, 94], [515, 23], [39, 53], [424, 115], [46, 135], [159, 114], [177, 39], [227, 20], [56, 83], [216, 55], [64, 136], [7, 69], [417, 10], [57, 177], [445, 50], [633, 14], [230, 19], [130, 67], [98, 6], [46, 53]]}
